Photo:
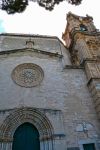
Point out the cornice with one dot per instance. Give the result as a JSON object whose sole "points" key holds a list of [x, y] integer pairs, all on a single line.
{"points": [[94, 33], [35, 108], [28, 35], [30, 50], [33, 36], [73, 67], [91, 79]]}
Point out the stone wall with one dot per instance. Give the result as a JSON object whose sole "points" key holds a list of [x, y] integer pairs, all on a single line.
{"points": [[62, 89], [63, 96]]}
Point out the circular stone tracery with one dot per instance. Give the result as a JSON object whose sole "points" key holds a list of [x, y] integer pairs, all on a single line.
{"points": [[27, 75]]}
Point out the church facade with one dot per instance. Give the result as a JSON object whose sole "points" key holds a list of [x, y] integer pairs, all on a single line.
{"points": [[50, 93]]}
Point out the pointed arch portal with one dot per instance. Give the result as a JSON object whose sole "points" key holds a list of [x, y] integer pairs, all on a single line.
{"points": [[26, 137]]}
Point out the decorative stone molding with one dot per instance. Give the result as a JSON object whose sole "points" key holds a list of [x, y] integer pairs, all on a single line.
{"points": [[27, 75], [29, 44], [92, 70], [22, 115], [93, 43]]}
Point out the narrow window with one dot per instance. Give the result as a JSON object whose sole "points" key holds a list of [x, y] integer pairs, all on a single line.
{"points": [[83, 27]]}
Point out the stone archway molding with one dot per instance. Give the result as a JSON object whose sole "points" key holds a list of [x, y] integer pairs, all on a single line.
{"points": [[26, 114]]}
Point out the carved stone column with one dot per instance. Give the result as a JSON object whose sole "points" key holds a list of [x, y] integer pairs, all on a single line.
{"points": [[5, 145]]}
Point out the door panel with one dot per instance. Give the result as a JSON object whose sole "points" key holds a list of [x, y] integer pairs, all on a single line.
{"points": [[26, 137], [89, 146]]}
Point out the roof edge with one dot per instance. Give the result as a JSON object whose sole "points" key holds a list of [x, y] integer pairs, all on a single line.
{"points": [[32, 35], [27, 35]]}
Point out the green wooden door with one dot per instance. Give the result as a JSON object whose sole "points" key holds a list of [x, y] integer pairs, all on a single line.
{"points": [[26, 137], [89, 146]]}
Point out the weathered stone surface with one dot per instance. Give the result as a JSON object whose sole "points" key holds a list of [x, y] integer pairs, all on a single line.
{"points": [[84, 47], [65, 104]]}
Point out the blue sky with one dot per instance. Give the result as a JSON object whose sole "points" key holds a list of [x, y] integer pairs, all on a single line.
{"points": [[2, 29], [37, 20]]}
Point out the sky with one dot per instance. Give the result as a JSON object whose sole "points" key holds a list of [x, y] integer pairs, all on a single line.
{"points": [[37, 20]]}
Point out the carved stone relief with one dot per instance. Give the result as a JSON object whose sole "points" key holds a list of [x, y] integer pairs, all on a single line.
{"points": [[27, 75], [93, 45]]}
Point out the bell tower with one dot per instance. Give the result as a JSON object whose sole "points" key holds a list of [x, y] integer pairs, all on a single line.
{"points": [[83, 41]]}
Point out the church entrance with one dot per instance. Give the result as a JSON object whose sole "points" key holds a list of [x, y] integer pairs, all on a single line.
{"points": [[26, 137]]}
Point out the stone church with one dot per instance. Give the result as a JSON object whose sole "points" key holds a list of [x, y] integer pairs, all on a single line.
{"points": [[50, 93]]}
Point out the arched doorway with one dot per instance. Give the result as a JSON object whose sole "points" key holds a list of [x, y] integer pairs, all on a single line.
{"points": [[26, 137], [20, 116]]}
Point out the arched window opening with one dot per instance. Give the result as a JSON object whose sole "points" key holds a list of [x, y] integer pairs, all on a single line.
{"points": [[83, 27]]}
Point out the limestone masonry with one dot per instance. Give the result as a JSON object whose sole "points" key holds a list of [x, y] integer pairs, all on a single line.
{"points": [[51, 87]]}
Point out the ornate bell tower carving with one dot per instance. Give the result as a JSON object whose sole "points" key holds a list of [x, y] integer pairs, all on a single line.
{"points": [[83, 41]]}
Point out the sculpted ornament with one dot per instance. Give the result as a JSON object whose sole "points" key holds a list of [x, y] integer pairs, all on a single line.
{"points": [[27, 75], [75, 57], [93, 44]]}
